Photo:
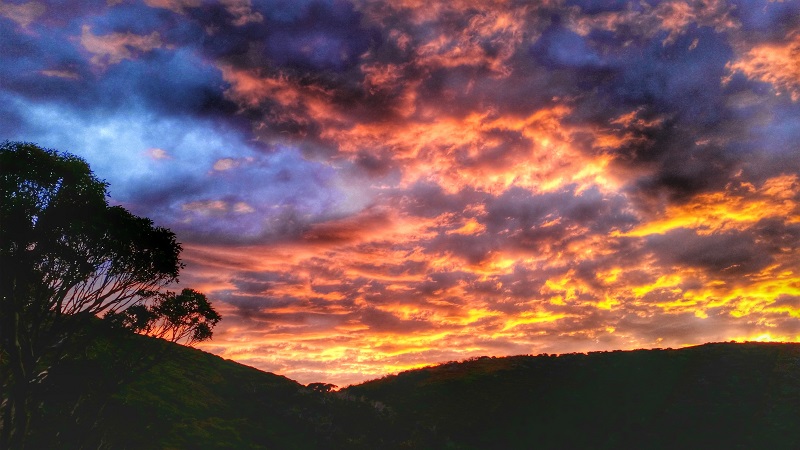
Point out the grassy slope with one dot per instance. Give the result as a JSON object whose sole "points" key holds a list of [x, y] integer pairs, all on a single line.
{"points": [[711, 396], [188, 400]]}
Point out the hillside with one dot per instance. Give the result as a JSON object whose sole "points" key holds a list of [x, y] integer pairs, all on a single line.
{"points": [[710, 396], [186, 399]]}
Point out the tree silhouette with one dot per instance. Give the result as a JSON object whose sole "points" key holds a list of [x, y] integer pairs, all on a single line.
{"points": [[68, 258], [185, 318]]}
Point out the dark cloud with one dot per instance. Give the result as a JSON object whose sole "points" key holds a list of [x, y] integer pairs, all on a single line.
{"points": [[559, 47], [551, 217], [735, 253], [598, 7], [681, 328], [135, 18], [173, 83], [767, 20], [776, 236], [292, 36], [384, 322], [261, 282]]}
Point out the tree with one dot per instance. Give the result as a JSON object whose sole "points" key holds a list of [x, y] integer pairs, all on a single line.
{"points": [[68, 258], [185, 318]]}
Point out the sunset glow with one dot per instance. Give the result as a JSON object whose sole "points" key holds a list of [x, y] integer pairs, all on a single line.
{"points": [[364, 187]]}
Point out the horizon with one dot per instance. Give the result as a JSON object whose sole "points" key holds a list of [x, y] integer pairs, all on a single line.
{"points": [[545, 355], [365, 187]]}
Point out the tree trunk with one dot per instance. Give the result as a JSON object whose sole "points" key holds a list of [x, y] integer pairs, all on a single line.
{"points": [[22, 418], [7, 410], [16, 417]]}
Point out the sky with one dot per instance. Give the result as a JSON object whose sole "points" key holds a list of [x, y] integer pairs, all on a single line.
{"points": [[364, 187]]}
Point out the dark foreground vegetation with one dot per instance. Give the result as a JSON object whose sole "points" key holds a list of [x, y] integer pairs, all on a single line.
{"points": [[711, 396]]}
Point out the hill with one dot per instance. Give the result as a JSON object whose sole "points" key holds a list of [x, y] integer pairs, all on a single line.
{"points": [[710, 396], [176, 397]]}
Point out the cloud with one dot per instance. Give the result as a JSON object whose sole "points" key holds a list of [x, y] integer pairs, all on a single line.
{"points": [[174, 5], [724, 252], [774, 64], [23, 13], [224, 164], [158, 153], [240, 10], [365, 187], [112, 48], [560, 46], [736, 208]]}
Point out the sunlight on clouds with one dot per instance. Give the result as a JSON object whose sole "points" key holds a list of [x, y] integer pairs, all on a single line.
{"points": [[561, 293], [774, 63], [464, 152], [609, 276], [298, 100], [478, 215], [367, 187], [496, 264], [502, 28], [251, 89], [721, 211], [669, 19], [471, 227], [667, 282], [767, 337], [737, 298], [608, 303]]}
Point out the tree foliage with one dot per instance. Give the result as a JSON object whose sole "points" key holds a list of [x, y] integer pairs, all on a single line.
{"points": [[67, 258], [185, 318]]}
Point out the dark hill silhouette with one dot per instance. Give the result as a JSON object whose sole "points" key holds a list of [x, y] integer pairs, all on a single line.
{"points": [[711, 396], [722, 395], [188, 399]]}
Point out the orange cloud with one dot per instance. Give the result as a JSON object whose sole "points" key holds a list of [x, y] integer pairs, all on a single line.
{"points": [[297, 101], [483, 151], [721, 211], [773, 63], [504, 29], [674, 17]]}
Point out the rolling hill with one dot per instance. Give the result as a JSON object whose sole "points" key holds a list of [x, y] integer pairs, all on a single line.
{"points": [[711, 396], [722, 395]]}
